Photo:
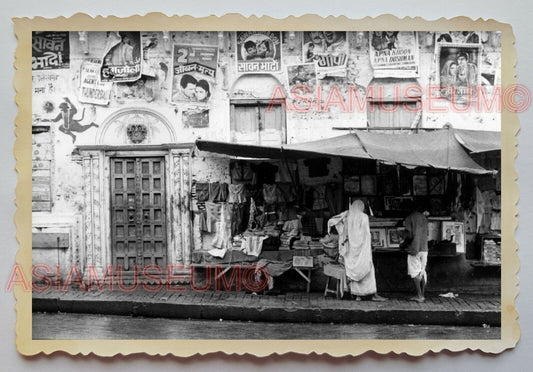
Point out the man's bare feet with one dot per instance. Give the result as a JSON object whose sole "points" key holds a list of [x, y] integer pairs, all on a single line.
{"points": [[378, 298], [417, 299]]}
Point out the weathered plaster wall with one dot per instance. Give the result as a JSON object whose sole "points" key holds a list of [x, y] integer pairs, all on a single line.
{"points": [[51, 86]]}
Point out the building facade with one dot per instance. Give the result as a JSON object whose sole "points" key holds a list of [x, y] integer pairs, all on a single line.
{"points": [[116, 116]]}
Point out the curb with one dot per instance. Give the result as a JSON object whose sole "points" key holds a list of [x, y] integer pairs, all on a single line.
{"points": [[270, 313]]}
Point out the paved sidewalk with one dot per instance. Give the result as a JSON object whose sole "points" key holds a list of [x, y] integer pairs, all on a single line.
{"points": [[289, 307]]}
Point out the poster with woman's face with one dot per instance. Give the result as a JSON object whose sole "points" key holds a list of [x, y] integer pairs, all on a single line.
{"points": [[258, 51], [459, 70], [194, 72]]}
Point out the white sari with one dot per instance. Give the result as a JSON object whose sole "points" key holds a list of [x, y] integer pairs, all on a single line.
{"points": [[355, 249]]}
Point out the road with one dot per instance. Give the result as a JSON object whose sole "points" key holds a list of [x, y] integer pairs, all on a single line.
{"points": [[61, 326]]}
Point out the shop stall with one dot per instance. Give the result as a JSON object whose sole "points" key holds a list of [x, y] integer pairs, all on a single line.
{"points": [[273, 202]]}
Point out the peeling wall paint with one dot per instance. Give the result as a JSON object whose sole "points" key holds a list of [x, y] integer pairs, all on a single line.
{"points": [[52, 86]]}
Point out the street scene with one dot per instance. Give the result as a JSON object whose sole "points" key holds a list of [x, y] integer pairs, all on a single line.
{"points": [[266, 185]]}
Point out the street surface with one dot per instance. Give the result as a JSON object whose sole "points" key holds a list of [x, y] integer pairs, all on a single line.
{"points": [[90, 326]]}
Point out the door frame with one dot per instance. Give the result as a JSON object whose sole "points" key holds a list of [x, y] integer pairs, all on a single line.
{"points": [[96, 163]]}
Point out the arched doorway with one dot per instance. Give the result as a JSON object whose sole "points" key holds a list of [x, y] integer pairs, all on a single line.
{"points": [[136, 183]]}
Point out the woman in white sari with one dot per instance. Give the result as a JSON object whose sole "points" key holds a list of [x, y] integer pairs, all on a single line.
{"points": [[356, 251]]}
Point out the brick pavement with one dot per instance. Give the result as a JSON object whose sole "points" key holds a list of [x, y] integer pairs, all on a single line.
{"points": [[288, 307]]}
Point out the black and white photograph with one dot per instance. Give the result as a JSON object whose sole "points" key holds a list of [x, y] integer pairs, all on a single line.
{"points": [[205, 208]]}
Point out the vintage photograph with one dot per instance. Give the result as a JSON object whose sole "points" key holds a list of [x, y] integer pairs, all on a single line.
{"points": [[177, 195], [379, 238]]}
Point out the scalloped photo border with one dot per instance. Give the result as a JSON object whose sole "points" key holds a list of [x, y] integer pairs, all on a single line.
{"points": [[510, 330]]}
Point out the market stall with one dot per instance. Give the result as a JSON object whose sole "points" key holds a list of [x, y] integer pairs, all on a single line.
{"points": [[278, 199]]}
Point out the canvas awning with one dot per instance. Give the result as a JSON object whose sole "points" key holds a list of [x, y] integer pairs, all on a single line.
{"points": [[241, 150], [347, 145], [437, 149], [477, 141]]}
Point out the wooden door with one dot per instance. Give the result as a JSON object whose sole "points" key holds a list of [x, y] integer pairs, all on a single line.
{"points": [[245, 124], [138, 226], [272, 125], [258, 123]]}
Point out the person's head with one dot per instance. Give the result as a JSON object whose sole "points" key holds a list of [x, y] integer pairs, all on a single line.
{"points": [[263, 48], [457, 228], [311, 47], [202, 90], [332, 36], [449, 69], [414, 205], [301, 70], [316, 37], [452, 71], [378, 33], [63, 106], [251, 48], [125, 39], [462, 58], [357, 206], [188, 85]]}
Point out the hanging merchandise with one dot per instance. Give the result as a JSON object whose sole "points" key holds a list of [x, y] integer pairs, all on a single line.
{"points": [[218, 191], [237, 193], [223, 228]]}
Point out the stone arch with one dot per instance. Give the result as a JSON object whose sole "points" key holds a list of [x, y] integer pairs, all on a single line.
{"points": [[255, 86], [154, 128]]}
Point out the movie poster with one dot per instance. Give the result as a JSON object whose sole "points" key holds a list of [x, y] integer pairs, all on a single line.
{"points": [[456, 37], [198, 118], [122, 57], [328, 50], [194, 69], [50, 50], [92, 89], [258, 51], [458, 70], [394, 54], [157, 64], [302, 79]]}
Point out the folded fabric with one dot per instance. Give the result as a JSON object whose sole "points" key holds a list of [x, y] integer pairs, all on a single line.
{"points": [[252, 245], [220, 253]]}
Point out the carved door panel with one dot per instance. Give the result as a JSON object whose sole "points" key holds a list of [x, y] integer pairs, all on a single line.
{"points": [[138, 223]]}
